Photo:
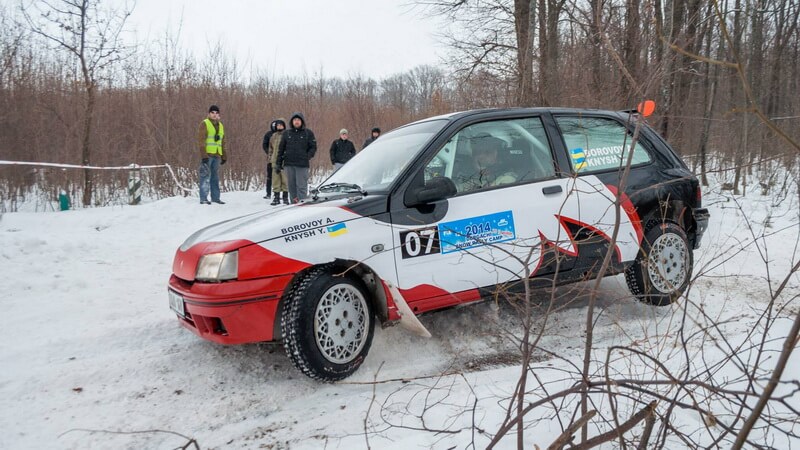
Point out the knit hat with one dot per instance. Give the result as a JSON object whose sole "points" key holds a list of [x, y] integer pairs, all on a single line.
{"points": [[213, 108], [343, 131], [376, 130]]}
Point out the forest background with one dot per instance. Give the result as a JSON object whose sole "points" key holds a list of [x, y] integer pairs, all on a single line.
{"points": [[723, 73], [75, 90]]}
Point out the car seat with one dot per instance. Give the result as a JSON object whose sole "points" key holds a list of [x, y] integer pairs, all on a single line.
{"points": [[462, 161], [517, 158]]}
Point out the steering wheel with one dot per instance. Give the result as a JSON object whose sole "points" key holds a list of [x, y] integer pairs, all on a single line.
{"points": [[506, 178]]}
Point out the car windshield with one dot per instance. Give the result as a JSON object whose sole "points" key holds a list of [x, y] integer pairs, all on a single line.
{"points": [[376, 167]]}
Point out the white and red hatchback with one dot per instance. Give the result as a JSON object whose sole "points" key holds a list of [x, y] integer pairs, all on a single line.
{"points": [[442, 212]]}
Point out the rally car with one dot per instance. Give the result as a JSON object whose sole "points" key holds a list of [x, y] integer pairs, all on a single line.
{"points": [[442, 212]]}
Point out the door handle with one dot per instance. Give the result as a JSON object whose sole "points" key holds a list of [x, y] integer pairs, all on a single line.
{"points": [[547, 190]]}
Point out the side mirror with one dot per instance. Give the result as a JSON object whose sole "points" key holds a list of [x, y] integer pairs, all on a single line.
{"points": [[438, 188]]}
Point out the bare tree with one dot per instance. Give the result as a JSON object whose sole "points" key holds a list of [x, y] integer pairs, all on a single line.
{"points": [[498, 36], [11, 37], [93, 37], [161, 88]]}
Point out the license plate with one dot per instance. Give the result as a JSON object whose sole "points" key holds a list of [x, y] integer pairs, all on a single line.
{"points": [[176, 303]]}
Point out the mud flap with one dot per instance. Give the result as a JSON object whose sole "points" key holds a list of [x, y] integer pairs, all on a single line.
{"points": [[408, 319]]}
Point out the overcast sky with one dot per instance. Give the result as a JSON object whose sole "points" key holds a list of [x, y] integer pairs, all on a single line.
{"points": [[343, 37]]}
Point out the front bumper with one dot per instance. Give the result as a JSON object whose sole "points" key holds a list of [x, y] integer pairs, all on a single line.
{"points": [[233, 312], [701, 216]]}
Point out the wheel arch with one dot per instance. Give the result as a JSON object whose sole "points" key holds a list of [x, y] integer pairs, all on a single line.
{"points": [[668, 210], [375, 292]]}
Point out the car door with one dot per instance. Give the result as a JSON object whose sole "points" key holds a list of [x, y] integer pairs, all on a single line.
{"points": [[498, 226], [598, 149]]}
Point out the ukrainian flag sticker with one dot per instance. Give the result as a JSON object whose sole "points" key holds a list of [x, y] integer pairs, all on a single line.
{"points": [[337, 229], [578, 158]]}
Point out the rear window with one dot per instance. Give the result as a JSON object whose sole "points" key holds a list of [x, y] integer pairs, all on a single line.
{"points": [[598, 144]]}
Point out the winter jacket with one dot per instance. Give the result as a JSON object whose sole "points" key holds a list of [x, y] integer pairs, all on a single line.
{"points": [[266, 144], [267, 136], [369, 140], [342, 150], [298, 145], [274, 146]]}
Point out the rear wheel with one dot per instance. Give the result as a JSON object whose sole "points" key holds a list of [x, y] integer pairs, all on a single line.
{"points": [[327, 324], [663, 268]]}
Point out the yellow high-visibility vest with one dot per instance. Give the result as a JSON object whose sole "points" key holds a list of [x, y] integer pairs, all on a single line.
{"points": [[213, 144]]}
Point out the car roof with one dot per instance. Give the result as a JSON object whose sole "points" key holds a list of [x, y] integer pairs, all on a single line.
{"points": [[533, 110], [500, 112]]}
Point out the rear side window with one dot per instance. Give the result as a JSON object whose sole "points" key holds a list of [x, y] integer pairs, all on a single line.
{"points": [[598, 144]]}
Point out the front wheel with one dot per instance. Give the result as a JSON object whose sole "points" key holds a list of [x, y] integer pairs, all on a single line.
{"points": [[327, 325], [663, 268]]}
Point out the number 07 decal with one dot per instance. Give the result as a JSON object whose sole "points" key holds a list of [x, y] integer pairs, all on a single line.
{"points": [[419, 242]]}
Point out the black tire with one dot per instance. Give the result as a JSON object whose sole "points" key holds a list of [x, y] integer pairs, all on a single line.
{"points": [[318, 304], [663, 269]]}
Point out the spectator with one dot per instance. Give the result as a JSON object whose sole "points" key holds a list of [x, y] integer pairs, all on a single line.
{"points": [[298, 145], [376, 132], [266, 148], [279, 187], [342, 150], [213, 153]]}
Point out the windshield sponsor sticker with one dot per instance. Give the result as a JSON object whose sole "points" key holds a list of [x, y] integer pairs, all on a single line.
{"points": [[476, 231]]}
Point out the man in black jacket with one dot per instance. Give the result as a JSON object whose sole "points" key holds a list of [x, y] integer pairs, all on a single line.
{"points": [[342, 150], [265, 147], [298, 146], [376, 132]]}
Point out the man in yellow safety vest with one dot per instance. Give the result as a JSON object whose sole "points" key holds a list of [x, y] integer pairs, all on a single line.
{"points": [[213, 153]]}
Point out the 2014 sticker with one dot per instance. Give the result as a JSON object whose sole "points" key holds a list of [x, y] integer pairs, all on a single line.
{"points": [[478, 231]]}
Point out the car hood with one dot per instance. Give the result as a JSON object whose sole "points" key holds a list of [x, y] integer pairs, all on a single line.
{"points": [[275, 223]]}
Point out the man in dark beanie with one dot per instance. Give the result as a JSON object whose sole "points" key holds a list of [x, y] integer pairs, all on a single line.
{"points": [[342, 150], [213, 153], [298, 145], [376, 132]]}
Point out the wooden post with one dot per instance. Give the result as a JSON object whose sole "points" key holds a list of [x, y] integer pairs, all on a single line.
{"points": [[134, 185]]}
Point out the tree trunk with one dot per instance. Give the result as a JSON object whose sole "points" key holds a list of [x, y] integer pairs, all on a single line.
{"points": [[712, 73], [632, 48], [522, 25], [549, 12], [755, 69], [736, 96], [86, 153], [543, 62], [675, 83], [595, 48]]}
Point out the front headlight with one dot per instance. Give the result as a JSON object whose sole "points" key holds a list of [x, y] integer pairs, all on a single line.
{"points": [[218, 267]]}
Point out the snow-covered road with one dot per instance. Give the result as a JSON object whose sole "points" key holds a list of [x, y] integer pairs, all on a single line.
{"points": [[88, 341]]}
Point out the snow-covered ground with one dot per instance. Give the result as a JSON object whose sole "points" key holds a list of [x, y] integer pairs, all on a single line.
{"points": [[88, 343]]}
